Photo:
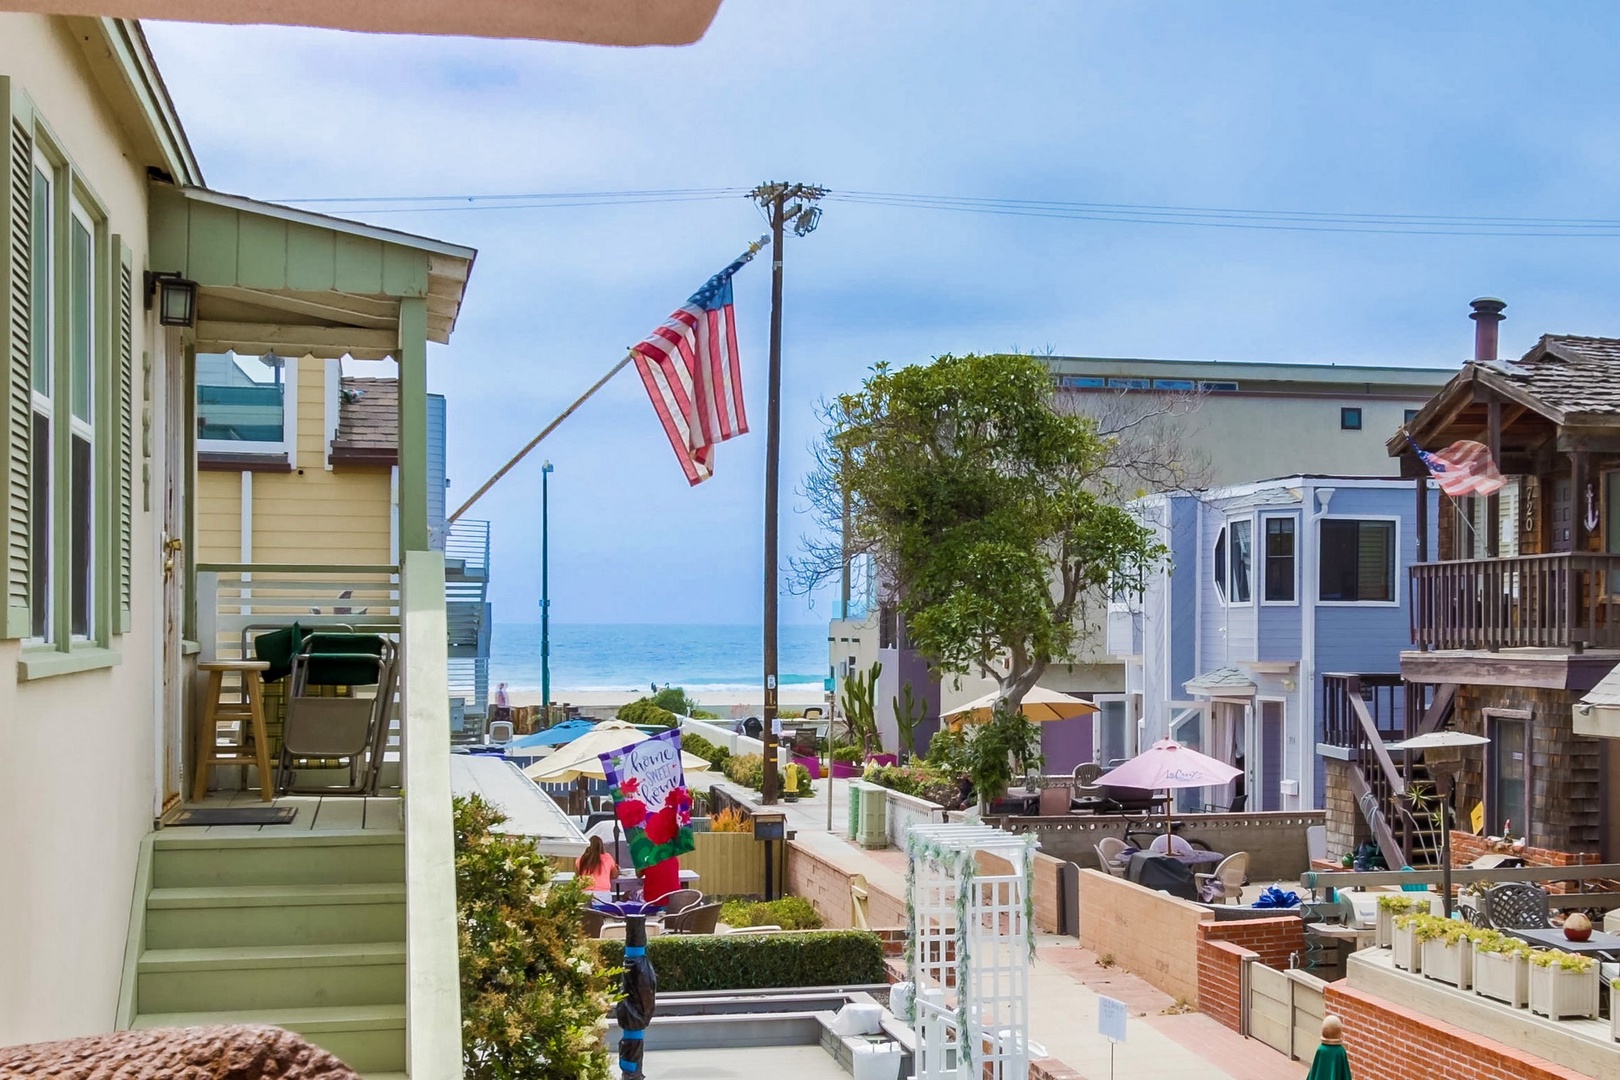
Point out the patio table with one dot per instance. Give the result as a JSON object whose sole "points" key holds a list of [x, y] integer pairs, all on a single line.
{"points": [[1199, 857], [1599, 942]]}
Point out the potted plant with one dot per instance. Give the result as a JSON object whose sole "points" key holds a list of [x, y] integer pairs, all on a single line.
{"points": [[1563, 984], [1501, 967], [1390, 906], [1447, 956], [1405, 948]]}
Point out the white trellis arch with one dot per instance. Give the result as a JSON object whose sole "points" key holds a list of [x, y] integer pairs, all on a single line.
{"points": [[971, 935]]}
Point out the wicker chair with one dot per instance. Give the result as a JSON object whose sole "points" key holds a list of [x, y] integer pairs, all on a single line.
{"points": [[698, 919], [1515, 906], [1231, 873], [680, 900], [1108, 849]]}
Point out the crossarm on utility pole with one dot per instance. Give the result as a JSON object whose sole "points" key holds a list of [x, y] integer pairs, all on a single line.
{"points": [[547, 430]]}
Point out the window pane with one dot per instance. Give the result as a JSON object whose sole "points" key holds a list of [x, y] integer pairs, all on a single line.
{"points": [[39, 562], [82, 546], [240, 399], [82, 330], [40, 289], [1280, 559], [1220, 563], [1358, 561], [1241, 552], [1508, 781], [1375, 567], [1337, 579]]}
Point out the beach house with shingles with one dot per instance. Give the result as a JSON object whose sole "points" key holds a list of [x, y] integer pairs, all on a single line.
{"points": [[1267, 586]]}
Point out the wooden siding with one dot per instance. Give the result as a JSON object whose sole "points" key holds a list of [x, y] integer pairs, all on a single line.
{"points": [[219, 517]]}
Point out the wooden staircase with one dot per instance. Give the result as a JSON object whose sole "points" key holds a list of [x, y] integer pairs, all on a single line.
{"points": [[304, 930]]}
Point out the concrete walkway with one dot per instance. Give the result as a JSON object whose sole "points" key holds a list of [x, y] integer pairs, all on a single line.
{"points": [[1166, 1041]]}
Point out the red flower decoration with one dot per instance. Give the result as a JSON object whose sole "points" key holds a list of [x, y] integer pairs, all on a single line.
{"points": [[678, 796], [629, 785], [661, 827], [630, 812]]}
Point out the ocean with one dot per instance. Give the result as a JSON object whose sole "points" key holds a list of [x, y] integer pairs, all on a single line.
{"points": [[628, 657]]}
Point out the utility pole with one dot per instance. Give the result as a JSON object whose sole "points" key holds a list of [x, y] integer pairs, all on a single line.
{"points": [[545, 590], [780, 201]]}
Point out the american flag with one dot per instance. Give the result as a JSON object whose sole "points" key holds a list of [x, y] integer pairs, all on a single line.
{"points": [[1463, 468], [691, 370]]}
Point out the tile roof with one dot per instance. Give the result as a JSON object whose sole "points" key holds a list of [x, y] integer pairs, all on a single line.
{"points": [[1222, 680], [1575, 375], [368, 422], [1606, 693]]}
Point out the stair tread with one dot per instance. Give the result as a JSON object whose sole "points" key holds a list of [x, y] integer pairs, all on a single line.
{"points": [[305, 1021], [275, 895], [263, 956]]}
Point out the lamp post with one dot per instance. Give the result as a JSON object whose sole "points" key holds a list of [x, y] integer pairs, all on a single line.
{"points": [[545, 590]]}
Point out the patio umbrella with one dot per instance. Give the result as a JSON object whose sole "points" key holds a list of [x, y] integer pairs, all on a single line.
{"points": [[1040, 705], [1167, 765], [1330, 1062], [544, 742], [582, 757], [1447, 741]]}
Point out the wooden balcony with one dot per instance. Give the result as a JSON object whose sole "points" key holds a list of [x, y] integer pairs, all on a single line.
{"points": [[1560, 601]]}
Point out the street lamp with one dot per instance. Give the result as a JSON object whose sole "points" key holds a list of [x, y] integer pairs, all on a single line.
{"points": [[545, 589]]}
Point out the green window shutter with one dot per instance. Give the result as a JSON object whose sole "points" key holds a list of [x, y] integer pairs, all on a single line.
{"points": [[16, 183], [126, 429]]}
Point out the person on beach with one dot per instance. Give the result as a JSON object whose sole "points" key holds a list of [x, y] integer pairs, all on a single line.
{"points": [[596, 867], [503, 704]]}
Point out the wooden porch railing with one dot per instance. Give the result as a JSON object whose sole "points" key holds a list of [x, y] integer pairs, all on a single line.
{"points": [[1561, 601]]}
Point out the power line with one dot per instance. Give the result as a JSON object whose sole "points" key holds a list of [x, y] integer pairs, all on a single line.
{"points": [[1118, 213]]}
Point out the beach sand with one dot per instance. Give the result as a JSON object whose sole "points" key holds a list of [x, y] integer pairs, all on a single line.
{"points": [[725, 703]]}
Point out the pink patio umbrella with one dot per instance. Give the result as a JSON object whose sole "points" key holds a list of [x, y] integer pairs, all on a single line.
{"points": [[1168, 765]]}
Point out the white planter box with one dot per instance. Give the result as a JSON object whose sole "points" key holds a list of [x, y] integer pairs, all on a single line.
{"points": [[1405, 948], [1503, 977], [1556, 994], [1386, 926], [1449, 963]]}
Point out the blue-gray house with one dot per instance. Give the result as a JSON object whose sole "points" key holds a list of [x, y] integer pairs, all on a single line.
{"points": [[1268, 587]]}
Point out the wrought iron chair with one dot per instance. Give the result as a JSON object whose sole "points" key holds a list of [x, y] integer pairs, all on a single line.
{"points": [[1515, 906]]}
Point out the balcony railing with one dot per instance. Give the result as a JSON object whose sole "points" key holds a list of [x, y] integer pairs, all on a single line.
{"points": [[1563, 601]]}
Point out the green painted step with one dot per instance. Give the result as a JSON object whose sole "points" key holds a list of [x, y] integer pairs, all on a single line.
{"points": [[269, 977], [226, 915], [369, 1039], [201, 860]]}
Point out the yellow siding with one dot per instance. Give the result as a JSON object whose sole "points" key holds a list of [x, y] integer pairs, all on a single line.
{"points": [[310, 515]]}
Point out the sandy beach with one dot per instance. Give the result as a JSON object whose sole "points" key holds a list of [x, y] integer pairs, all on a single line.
{"points": [[729, 702]]}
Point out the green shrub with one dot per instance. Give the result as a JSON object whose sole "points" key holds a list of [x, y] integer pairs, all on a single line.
{"points": [[849, 755], [790, 913], [919, 781], [747, 770], [646, 711], [533, 986], [760, 961], [716, 756], [674, 699]]}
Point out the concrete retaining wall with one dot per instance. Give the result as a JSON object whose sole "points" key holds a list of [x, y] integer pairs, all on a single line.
{"points": [[1275, 841]]}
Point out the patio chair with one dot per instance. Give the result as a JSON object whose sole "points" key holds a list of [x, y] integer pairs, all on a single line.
{"points": [[680, 900], [329, 715], [698, 919], [1166, 844], [1108, 852], [1231, 874], [591, 922], [501, 732], [1515, 906]]}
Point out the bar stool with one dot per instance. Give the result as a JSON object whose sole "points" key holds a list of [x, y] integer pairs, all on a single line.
{"points": [[209, 752]]}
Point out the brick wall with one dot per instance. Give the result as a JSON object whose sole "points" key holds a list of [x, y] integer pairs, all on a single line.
{"points": [[1466, 847], [1346, 828], [1220, 980], [1150, 934], [1051, 1069], [1387, 1042], [826, 885], [1273, 940]]}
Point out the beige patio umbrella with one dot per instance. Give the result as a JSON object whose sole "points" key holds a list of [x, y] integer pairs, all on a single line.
{"points": [[1040, 705], [582, 757]]}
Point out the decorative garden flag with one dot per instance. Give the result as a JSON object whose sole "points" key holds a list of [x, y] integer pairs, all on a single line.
{"points": [[650, 798]]}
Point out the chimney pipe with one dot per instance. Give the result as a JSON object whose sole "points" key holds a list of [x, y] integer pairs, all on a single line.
{"points": [[1487, 315]]}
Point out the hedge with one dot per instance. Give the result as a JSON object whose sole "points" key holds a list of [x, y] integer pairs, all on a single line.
{"points": [[789, 913], [760, 961]]}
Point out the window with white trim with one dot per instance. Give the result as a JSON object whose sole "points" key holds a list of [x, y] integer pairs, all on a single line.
{"points": [[243, 403], [1242, 531], [1357, 561], [82, 314], [1279, 559]]}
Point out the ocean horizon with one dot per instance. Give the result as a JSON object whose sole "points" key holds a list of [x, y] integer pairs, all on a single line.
{"points": [[625, 657]]}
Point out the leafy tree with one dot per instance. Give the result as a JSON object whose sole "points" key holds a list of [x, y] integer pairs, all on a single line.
{"points": [[995, 517], [532, 984]]}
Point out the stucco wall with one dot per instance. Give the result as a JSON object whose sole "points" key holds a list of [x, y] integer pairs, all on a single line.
{"points": [[77, 752]]}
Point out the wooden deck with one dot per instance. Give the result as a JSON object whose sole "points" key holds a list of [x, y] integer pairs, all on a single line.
{"points": [[316, 813]]}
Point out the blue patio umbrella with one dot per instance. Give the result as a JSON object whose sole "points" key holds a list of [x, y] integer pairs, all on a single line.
{"points": [[561, 735]]}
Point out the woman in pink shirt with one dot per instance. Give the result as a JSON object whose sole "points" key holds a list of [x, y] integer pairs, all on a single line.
{"points": [[596, 867]]}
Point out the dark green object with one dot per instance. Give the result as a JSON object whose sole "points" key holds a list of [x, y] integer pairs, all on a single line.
{"points": [[343, 659], [277, 648], [760, 961], [1330, 1063]]}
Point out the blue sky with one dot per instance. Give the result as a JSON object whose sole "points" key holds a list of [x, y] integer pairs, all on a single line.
{"points": [[1479, 109]]}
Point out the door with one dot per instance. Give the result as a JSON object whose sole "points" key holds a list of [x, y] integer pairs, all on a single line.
{"points": [[1187, 728], [1267, 794], [1113, 735], [1561, 515], [176, 483], [1507, 776]]}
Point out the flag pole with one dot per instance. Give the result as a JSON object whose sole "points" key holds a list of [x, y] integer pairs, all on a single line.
{"points": [[629, 355]]}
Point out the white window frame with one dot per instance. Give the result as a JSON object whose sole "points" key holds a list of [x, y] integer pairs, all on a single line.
{"points": [[45, 403], [1231, 560], [1395, 561], [289, 421], [85, 428], [1220, 565], [1132, 741], [1262, 560]]}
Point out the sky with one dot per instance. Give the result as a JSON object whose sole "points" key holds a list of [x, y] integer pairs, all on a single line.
{"points": [[1486, 110]]}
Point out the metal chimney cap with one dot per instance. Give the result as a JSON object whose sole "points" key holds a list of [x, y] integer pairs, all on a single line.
{"points": [[1487, 307]]}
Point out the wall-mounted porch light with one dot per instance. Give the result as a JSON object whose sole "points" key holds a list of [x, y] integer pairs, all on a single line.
{"points": [[176, 298]]}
